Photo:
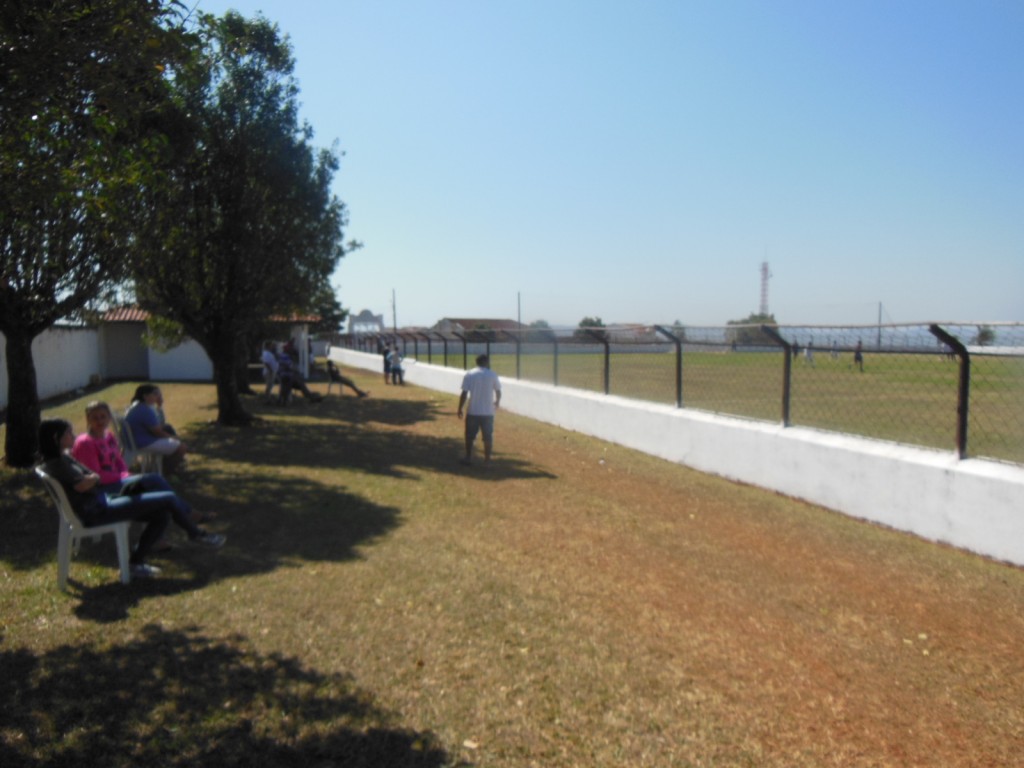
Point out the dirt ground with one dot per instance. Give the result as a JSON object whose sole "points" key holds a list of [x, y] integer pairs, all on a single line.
{"points": [[811, 638]]}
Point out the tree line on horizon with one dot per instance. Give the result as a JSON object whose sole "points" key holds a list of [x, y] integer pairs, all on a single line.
{"points": [[153, 153]]}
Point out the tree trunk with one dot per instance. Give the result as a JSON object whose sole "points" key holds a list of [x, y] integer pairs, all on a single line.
{"points": [[21, 442], [242, 370], [230, 410]]}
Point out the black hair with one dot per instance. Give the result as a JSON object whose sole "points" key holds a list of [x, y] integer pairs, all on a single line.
{"points": [[50, 433], [142, 391], [483, 361]]}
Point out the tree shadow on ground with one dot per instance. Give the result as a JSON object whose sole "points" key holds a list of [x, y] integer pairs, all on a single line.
{"points": [[354, 410], [28, 519], [177, 698], [272, 519], [271, 522], [373, 449]]}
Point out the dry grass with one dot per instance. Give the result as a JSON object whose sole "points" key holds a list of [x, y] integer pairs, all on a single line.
{"points": [[577, 604]]}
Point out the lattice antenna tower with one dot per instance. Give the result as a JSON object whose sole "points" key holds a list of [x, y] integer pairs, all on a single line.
{"points": [[766, 275]]}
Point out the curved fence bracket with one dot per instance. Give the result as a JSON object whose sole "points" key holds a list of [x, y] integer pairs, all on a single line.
{"points": [[964, 388], [787, 369]]}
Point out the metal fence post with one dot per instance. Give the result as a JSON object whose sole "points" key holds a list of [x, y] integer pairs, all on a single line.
{"points": [[518, 341], [462, 338], [787, 369], [679, 363], [554, 344], [963, 395], [430, 357], [602, 337]]}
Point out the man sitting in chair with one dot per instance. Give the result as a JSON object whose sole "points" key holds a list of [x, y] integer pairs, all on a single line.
{"points": [[343, 381]]}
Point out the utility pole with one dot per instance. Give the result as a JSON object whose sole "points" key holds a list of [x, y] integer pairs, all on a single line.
{"points": [[394, 313], [765, 277]]}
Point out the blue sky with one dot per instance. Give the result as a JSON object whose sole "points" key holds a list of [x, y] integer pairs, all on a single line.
{"points": [[637, 161]]}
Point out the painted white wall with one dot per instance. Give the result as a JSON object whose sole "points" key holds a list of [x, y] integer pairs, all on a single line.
{"points": [[65, 359], [186, 362], [973, 504]]}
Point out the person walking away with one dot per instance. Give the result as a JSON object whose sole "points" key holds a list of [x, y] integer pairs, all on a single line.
{"points": [[858, 356], [482, 387]]}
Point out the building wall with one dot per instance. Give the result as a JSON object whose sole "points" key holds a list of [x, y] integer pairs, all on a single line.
{"points": [[124, 356], [186, 362], [973, 504], [65, 359]]}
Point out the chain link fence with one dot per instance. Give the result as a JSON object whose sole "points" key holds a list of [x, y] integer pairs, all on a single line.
{"points": [[945, 385]]}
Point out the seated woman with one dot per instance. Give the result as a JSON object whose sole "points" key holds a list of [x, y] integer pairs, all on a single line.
{"points": [[344, 381], [98, 450], [149, 432], [133, 502], [291, 379]]}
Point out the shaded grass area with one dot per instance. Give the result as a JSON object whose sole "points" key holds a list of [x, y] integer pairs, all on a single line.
{"points": [[574, 604]]}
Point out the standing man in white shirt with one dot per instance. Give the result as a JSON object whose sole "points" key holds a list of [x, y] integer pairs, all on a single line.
{"points": [[483, 389]]}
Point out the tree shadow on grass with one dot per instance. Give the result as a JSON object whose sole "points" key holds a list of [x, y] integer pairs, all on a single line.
{"points": [[271, 521], [177, 698], [353, 410], [323, 444], [28, 520]]}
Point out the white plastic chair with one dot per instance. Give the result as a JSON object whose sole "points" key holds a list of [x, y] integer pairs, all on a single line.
{"points": [[73, 530], [148, 461]]}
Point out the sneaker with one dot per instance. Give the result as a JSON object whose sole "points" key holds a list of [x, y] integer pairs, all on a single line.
{"points": [[364, 394], [143, 570], [209, 540]]}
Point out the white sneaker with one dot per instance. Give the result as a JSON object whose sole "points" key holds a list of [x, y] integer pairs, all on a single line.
{"points": [[210, 540], [143, 570]]}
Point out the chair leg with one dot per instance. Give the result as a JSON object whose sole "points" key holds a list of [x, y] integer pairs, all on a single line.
{"points": [[64, 546], [123, 552]]}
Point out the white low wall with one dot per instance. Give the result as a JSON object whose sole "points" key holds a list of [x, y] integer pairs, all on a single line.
{"points": [[972, 504], [65, 359]]}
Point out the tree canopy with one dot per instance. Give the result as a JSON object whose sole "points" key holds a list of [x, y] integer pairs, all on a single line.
{"points": [[589, 328], [985, 337], [249, 228], [749, 333], [82, 93]]}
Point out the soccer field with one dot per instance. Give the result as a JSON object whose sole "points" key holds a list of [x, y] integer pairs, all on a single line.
{"points": [[907, 398]]}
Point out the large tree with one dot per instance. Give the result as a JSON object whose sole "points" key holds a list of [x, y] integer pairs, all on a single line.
{"points": [[249, 228], [748, 330], [590, 328], [82, 88]]}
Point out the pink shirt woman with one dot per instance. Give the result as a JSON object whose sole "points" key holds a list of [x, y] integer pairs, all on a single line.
{"points": [[103, 456]]}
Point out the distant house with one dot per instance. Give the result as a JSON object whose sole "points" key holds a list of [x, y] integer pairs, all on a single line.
{"points": [[123, 355], [463, 325], [632, 333], [366, 322]]}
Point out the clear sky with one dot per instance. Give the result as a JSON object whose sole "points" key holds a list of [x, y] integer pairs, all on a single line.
{"points": [[637, 160]]}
